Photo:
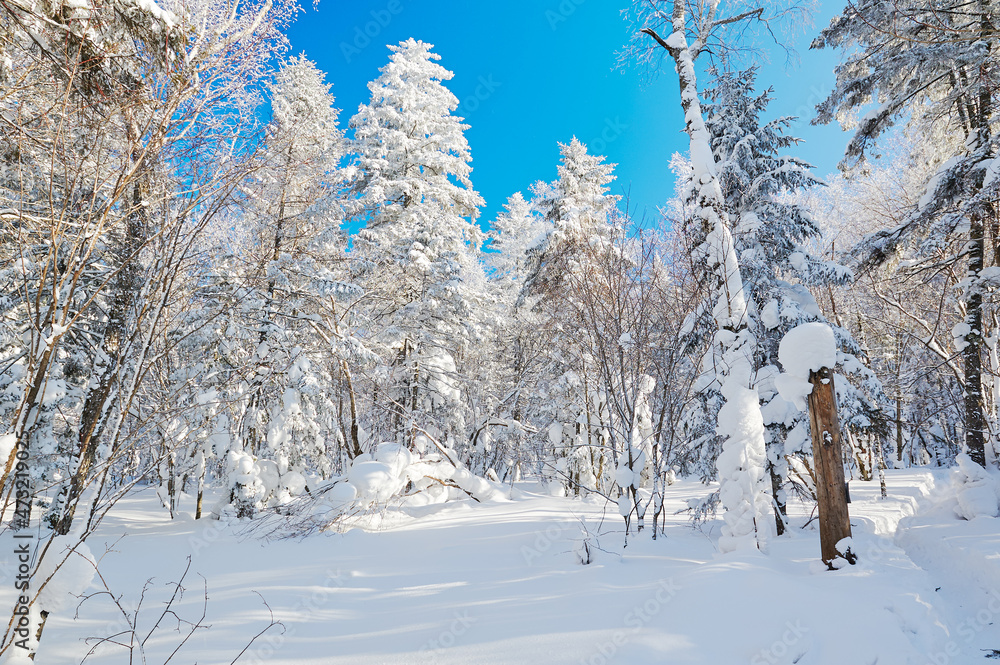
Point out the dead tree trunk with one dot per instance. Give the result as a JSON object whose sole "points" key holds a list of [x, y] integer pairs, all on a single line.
{"points": [[831, 489]]}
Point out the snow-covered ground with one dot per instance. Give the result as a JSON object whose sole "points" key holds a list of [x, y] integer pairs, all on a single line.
{"points": [[502, 582]]}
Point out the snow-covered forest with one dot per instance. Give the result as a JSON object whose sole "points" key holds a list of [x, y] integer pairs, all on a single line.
{"points": [[273, 390]]}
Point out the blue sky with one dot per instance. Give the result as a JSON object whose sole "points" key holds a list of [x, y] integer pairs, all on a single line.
{"points": [[531, 73]]}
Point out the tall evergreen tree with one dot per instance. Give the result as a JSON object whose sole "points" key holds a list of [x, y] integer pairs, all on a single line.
{"points": [[577, 207], [420, 242], [576, 213], [292, 230], [773, 233]]}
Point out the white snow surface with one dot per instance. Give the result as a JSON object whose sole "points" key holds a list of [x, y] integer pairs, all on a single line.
{"points": [[501, 583]]}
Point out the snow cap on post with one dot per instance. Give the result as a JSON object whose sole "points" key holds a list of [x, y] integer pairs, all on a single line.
{"points": [[804, 349]]}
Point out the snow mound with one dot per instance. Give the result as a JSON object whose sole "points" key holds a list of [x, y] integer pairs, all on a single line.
{"points": [[67, 569], [394, 474], [804, 349], [977, 491], [624, 476], [374, 481]]}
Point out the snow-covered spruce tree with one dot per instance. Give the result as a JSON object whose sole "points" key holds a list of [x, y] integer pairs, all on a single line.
{"points": [[420, 245], [576, 210], [577, 207], [772, 233], [515, 365], [744, 490], [293, 223], [923, 64], [514, 234]]}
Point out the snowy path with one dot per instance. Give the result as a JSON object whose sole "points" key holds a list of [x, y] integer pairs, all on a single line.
{"points": [[500, 583], [963, 557]]}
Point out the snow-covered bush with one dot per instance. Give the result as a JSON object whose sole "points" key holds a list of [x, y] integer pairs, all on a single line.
{"points": [[977, 490], [390, 476]]}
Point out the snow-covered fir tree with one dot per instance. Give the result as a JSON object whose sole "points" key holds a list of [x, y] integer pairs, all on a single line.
{"points": [[576, 212], [577, 207], [515, 234], [420, 246], [773, 234], [295, 239]]}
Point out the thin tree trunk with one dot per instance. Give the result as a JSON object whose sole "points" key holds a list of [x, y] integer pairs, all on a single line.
{"points": [[975, 416], [96, 404], [975, 421], [899, 429], [201, 491], [355, 443], [780, 506]]}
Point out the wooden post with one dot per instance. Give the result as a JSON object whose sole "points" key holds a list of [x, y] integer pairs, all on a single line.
{"points": [[831, 489]]}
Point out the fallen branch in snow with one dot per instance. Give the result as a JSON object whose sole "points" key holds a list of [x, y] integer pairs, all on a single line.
{"points": [[452, 484], [437, 445]]}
